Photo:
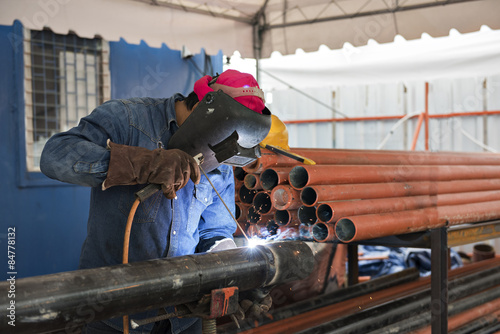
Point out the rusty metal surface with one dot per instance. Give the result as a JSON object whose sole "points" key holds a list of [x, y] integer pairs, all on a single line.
{"points": [[352, 306], [333, 211], [284, 197], [373, 157], [463, 235], [302, 176], [326, 193], [490, 309], [252, 181], [357, 228], [273, 177]]}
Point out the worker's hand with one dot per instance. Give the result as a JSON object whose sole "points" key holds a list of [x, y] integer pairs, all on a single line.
{"points": [[129, 165], [253, 304]]}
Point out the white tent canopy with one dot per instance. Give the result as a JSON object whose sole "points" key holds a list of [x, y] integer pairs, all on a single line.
{"points": [[255, 28], [458, 55]]}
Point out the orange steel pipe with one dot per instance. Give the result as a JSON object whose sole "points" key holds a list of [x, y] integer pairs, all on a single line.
{"points": [[371, 226], [329, 212], [323, 232], [237, 186], [241, 212], [252, 181], [262, 203], [417, 132], [391, 117], [312, 195], [372, 157], [317, 317], [286, 217], [285, 197], [302, 176], [490, 309], [253, 217], [246, 195], [273, 177], [426, 116], [239, 173], [307, 215]]}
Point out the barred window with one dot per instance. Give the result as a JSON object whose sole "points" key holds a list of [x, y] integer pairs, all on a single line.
{"points": [[65, 77]]}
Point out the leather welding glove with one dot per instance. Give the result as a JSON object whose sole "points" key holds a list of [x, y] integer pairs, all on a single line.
{"points": [[129, 165], [254, 303]]}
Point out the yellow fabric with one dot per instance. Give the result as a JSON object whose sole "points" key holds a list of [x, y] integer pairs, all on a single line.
{"points": [[278, 135]]}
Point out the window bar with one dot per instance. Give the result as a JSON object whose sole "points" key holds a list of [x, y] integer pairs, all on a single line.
{"points": [[44, 62], [85, 49], [96, 76], [66, 88], [75, 49], [56, 85]]}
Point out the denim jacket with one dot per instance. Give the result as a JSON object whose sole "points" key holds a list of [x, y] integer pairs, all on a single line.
{"points": [[161, 227]]}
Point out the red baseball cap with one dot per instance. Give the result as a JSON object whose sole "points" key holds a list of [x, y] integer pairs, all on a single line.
{"points": [[240, 86]]}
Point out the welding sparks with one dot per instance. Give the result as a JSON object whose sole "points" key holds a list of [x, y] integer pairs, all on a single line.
{"points": [[254, 242]]}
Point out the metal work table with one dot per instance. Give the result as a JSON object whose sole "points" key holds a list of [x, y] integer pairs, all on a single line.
{"points": [[439, 240]]}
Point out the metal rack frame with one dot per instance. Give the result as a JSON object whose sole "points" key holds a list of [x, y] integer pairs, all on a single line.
{"points": [[439, 240]]}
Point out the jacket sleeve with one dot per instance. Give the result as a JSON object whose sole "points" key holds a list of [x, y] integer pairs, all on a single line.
{"points": [[79, 155], [216, 226]]}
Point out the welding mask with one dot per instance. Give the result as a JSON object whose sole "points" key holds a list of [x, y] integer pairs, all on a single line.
{"points": [[223, 130]]}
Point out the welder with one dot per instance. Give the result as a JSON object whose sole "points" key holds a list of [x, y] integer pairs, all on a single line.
{"points": [[122, 146]]}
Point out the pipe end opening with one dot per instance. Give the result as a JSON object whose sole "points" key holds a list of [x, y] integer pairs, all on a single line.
{"points": [[320, 232], [246, 195], [325, 213], [298, 177], [308, 196], [250, 181], [253, 216], [239, 173], [269, 179], [307, 215], [262, 202], [282, 217], [345, 229], [280, 198]]}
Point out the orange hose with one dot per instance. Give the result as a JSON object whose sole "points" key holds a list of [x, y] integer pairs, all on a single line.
{"points": [[126, 241]]}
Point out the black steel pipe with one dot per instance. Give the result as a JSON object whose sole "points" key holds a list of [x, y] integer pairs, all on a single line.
{"points": [[262, 203], [66, 300], [246, 195], [479, 324], [465, 292], [417, 321], [377, 284]]}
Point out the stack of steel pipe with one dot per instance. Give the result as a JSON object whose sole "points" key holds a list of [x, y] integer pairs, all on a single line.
{"points": [[351, 195], [404, 307]]}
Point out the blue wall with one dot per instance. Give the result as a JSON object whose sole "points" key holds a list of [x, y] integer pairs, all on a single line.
{"points": [[50, 217]]}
